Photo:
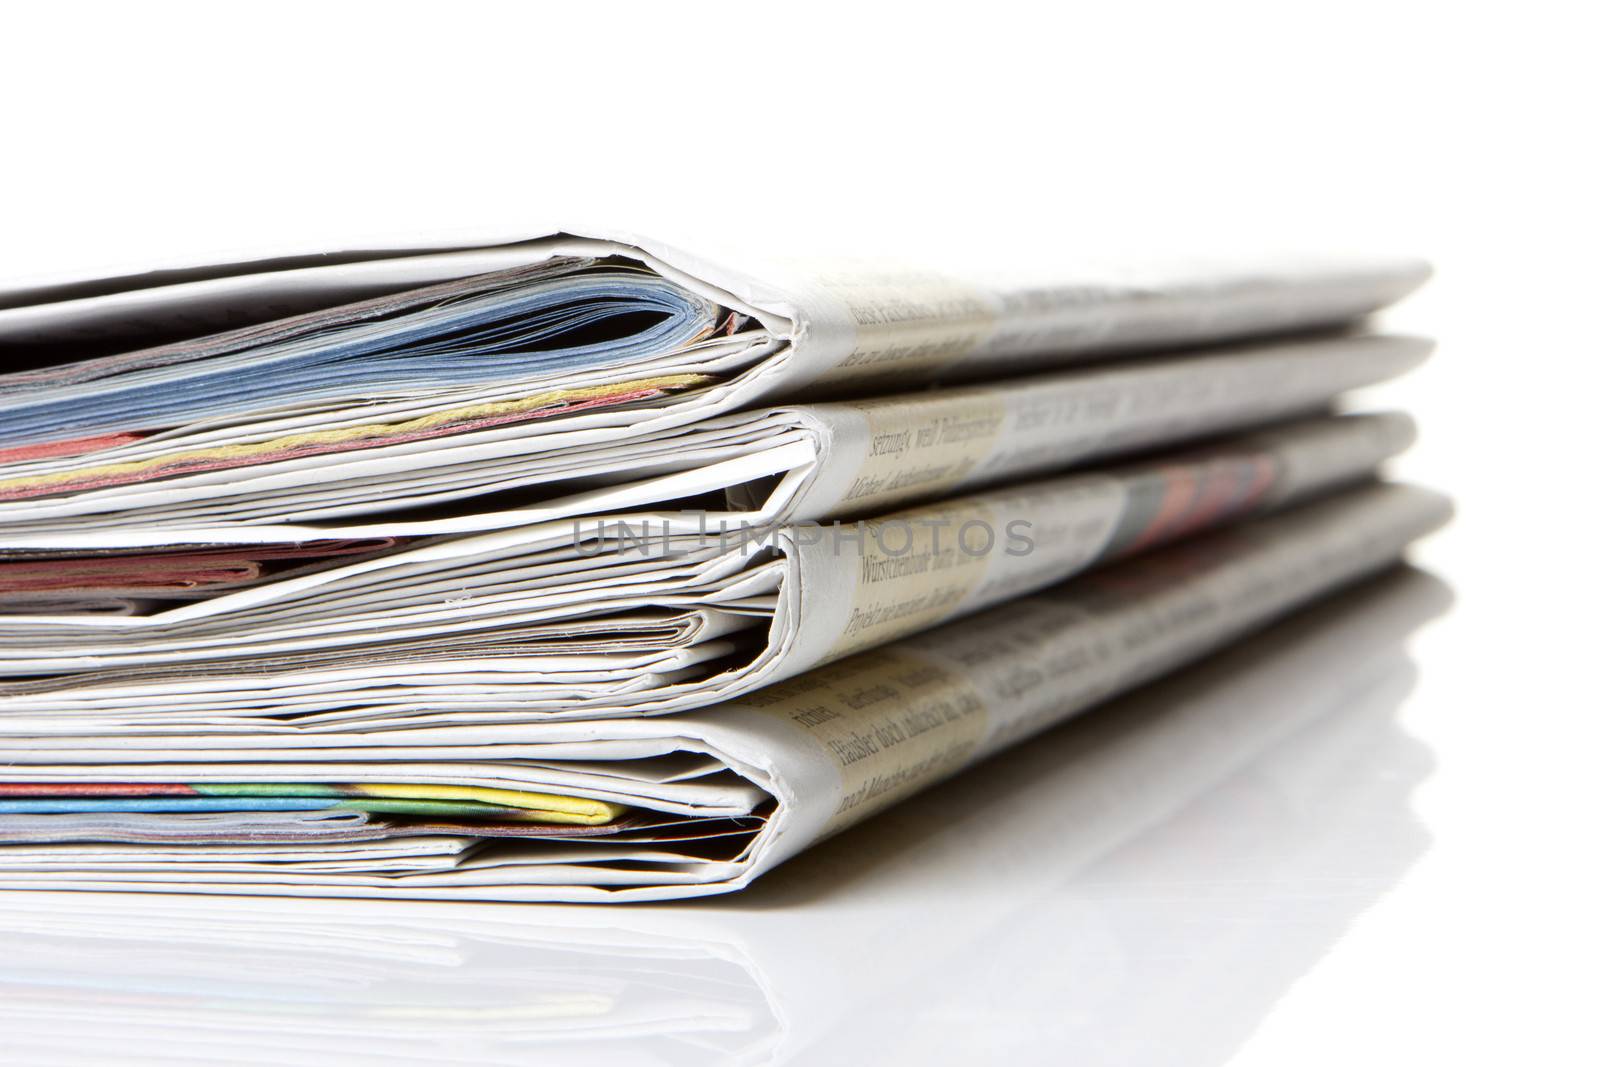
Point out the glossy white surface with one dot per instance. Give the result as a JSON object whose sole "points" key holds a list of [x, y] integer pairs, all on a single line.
{"points": [[1402, 875]]}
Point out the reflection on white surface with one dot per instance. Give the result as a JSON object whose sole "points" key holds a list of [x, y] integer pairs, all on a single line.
{"points": [[1137, 887]]}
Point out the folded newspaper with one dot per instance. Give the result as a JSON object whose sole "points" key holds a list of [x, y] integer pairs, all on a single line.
{"points": [[571, 375], [695, 803], [636, 615]]}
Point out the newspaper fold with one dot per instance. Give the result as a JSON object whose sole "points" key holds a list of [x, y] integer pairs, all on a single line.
{"points": [[805, 758], [372, 383], [635, 615]]}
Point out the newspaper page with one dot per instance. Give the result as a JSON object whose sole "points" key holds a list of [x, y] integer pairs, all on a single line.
{"points": [[703, 802], [626, 616]]}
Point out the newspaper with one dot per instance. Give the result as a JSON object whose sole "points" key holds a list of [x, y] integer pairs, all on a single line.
{"points": [[768, 465], [641, 614], [1286, 715], [707, 801], [373, 384]]}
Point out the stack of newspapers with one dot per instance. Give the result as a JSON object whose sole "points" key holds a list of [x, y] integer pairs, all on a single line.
{"points": [[581, 568]]}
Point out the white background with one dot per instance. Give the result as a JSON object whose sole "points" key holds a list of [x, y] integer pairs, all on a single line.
{"points": [[1458, 131]]}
